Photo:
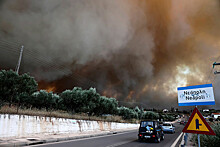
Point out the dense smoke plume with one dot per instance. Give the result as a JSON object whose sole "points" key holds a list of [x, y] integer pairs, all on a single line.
{"points": [[136, 51]]}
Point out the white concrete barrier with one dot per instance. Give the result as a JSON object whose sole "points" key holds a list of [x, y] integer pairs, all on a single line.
{"points": [[23, 125]]}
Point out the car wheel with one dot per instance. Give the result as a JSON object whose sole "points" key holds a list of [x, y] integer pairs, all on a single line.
{"points": [[140, 139], [162, 137], [158, 138]]}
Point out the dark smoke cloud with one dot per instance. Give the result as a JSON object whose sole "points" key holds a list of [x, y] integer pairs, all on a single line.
{"points": [[136, 51]]}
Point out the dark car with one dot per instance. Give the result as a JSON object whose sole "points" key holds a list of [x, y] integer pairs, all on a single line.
{"points": [[150, 130], [183, 122]]}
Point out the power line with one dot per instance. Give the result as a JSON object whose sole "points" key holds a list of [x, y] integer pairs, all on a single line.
{"points": [[12, 47]]}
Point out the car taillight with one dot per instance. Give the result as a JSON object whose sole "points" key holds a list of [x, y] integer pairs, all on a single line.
{"points": [[153, 135], [140, 135]]}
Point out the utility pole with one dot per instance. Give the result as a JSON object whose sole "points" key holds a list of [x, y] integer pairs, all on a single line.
{"points": [[216, 72], [17, 70], [19, 60], [213, 65]]}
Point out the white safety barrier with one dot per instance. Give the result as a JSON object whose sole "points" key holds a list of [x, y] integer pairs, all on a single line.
{"points": [[23, 125]]}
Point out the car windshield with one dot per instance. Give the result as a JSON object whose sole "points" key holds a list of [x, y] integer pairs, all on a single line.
{"points": [[166, 124], [147, 123]]}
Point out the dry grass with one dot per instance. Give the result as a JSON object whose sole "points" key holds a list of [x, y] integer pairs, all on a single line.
{"points": [[60, 114]]}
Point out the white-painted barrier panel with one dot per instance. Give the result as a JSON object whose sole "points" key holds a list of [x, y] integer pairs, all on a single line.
{"points": [[23, 125]]}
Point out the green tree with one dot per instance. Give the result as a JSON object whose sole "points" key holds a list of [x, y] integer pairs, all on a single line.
{"points": [[67, 99], [13, 87], [106, 105], [168, 117], [27, 86], [90, 100], [8, 85], [73, 100], [139, 112], [38, 99], [150, 115], [112, 106], [44, 99], [127, 113]]}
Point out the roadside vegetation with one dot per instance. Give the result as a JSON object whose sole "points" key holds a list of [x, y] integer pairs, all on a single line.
{"points": [[19, 95], [210, 140]]}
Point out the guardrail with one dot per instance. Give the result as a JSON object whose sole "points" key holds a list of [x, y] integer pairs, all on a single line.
{"points": [[184, 140]]}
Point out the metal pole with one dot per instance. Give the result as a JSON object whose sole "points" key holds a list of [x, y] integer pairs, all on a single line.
{"points": [[19, 60], [198, 140], [216, 72], [198, 136], [215, 64]]}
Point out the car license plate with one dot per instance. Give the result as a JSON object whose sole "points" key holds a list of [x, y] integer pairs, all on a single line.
{"points": [[147, 136]]}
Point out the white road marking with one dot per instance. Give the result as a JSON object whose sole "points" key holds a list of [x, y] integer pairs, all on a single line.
{"points": [[82, 139], [118, 144], [175, 142]]}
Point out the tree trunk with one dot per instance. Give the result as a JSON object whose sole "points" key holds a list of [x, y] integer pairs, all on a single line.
{"points": [[18, 106]]}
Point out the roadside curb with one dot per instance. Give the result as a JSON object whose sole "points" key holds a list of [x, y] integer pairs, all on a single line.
{"points": [[183, 141], [51, 140]]}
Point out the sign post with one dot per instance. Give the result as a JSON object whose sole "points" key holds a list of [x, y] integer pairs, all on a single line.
{"points": [[193, 96], [197, 127], [199, 140]]}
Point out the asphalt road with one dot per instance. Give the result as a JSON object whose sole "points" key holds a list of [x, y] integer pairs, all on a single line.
{"points": [[127, 139]]}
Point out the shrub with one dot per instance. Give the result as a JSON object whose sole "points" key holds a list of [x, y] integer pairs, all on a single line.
{"points": [[150, 115], [127, 113], [168, 117], [43, 99], [210, 140]]}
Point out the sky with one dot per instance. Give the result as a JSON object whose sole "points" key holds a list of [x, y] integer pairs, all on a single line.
{"points": [[137, 51]]}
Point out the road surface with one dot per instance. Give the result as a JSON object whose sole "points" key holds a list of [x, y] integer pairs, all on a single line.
{"points": [[126, 139]]}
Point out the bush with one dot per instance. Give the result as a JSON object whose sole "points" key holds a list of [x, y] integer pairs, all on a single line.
{"points": [[43, 99], [210, 140], [168, 117], [69, 99], [150, 115], [22, 91], [105, 106], [127, 113], [88, 101], [140, 112]]}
